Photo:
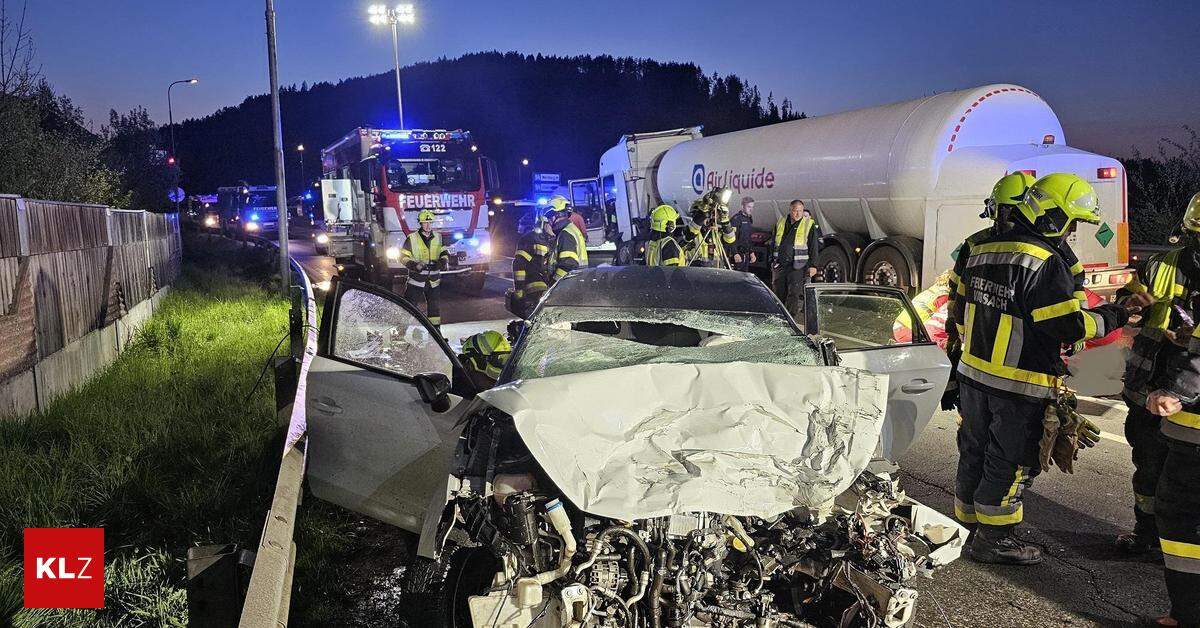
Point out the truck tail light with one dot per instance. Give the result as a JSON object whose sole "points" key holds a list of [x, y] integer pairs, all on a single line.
{"points": [[1048, 138], [1106, 173], [1032, 173]]}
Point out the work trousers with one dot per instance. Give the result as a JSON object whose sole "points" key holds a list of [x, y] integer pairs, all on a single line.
{"points": [[433, 310], [997, 458], [1142, 431], [788, 284], [1177, 509]]}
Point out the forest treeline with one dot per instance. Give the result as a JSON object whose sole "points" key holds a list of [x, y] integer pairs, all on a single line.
{"points": [[559, 112]]}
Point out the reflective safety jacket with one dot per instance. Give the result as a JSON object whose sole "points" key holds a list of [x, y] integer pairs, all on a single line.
{"points": [[1017, 305], [425, 258], [802, 246], [530, 264], [964, 251], [1172, 278], [663, 250], [570, 252]]}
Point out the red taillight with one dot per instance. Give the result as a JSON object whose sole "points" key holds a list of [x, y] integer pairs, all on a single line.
{"points": [[1048, 139], [1106, 173]]}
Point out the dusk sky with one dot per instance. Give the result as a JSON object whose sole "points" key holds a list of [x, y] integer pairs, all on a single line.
{"points": [[1118, 73]]}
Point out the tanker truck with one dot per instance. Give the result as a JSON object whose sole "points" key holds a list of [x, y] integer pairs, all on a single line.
{"points": [[895, 188]]}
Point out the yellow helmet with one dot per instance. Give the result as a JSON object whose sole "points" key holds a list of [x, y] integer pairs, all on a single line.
{"points": [[486, 352], [664, 218], [1057, 200], [425, 216], [559, 202], [1191, 215], [1009, 190]]}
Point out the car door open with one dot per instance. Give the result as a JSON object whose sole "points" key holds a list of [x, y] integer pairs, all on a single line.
{"points": [[861, 321], [380, 389]]}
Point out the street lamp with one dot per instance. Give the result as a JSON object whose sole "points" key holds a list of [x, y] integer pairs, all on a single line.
{"points": [[171, 114], [399, 14], [300, 149]]}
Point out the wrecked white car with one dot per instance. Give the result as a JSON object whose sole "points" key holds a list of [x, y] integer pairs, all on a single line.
{"points": [[664, 448]]}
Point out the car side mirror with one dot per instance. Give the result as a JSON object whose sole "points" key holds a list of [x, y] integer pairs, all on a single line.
{"points": [[434, 389]]}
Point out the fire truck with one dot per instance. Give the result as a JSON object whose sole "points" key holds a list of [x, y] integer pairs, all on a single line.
{"points": [[376, 181]]}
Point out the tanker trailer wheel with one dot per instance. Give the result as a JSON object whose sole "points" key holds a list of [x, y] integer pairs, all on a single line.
{"points": [[834, 264], [886, 266], [624, 255]]}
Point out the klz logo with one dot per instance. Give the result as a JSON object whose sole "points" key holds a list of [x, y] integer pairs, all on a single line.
{"points": [[698, 178], [64, 567]]}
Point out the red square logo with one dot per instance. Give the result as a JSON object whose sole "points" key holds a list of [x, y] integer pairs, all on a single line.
{"points": [[64, 567]]}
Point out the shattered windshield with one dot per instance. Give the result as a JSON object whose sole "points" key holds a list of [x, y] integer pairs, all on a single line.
{"points": [[564, 340]]}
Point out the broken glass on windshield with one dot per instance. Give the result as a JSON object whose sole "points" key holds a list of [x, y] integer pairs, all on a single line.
{"points": [[564, 340]]}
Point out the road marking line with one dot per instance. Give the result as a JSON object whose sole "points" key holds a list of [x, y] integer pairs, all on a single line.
{"points": [[1113, 437]]}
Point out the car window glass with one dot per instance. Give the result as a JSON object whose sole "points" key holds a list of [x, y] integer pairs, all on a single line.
{"points": [[378, 332], [564, 340], [863, 321]]}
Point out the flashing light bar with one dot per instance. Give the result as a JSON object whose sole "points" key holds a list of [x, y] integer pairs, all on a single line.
{"points": [[440, 135], [1109, 172]]}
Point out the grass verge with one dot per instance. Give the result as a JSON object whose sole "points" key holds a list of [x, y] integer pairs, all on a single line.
{"points": [[168, 448]]}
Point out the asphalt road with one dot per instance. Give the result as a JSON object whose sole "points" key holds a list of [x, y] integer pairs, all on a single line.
{"points": [[1083, 581]]}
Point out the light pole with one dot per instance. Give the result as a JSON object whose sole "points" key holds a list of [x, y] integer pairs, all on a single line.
{"points": [[285, 270], [399, 14], [171, 114], [300, 149]]}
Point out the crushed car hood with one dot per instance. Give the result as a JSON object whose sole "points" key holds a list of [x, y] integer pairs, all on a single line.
{"points": [[737, 438]]}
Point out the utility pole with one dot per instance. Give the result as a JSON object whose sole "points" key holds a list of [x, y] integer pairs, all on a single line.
{"points": [[285, 270]]}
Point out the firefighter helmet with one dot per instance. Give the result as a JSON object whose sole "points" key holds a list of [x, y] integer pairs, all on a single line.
{"points": [[1191, 215], [1055, 201], [559, 203], [486, 352], [664, 218], [425, 216], [1009, 190]]}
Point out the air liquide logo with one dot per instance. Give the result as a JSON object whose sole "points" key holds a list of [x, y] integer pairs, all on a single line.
{"points": [[64, 567], [698, 178]]}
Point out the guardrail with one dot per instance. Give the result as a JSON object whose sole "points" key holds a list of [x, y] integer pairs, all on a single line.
{"points": [[268, 596]]}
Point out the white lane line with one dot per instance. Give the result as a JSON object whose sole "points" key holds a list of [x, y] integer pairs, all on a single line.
{"points": [[1116, 438]]}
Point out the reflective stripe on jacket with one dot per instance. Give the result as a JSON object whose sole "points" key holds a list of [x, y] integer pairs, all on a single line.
{"points": [[800, 244], [530, 264], [664, 251], [418, 252], [570, 252], [1161, 278], [1017, 305]]}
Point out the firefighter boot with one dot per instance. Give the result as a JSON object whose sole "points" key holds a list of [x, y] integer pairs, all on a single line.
{"points": [[1005, 548]]}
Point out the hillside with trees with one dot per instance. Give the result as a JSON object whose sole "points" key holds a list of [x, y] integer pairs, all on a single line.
{"points": [[560, 112]]}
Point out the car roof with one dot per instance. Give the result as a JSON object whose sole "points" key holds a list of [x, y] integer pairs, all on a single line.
{"points": [[664, 287]]}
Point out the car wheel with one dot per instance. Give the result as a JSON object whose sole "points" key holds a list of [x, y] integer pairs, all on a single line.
{"points": [[435, 593]]}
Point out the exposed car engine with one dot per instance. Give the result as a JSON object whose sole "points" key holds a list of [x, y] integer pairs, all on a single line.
{"points": [[844, 564]]}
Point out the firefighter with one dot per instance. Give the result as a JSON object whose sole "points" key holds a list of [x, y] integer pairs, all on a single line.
{"points": [[662, 249], [794, 246], [484, 356], [709, 223], [530, 265], [570, 246], [425, 258], [1172, 279], [1018, 310]]}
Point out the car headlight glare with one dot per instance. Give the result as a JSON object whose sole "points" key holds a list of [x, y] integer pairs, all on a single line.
{"points": [[485, 248], [322, 238], [393, 253]]}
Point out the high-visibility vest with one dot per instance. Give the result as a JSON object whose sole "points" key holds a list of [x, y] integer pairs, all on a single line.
{"points": [[654, 252], [416, 250], [570, 251], [800, 244], [1161, 279]]}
